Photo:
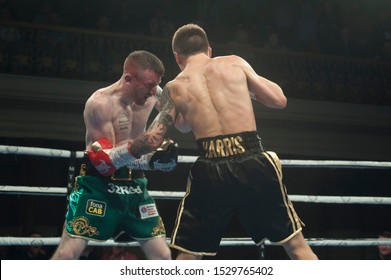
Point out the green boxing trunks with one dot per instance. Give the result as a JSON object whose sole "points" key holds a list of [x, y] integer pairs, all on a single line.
{"points": [[101, 208]]}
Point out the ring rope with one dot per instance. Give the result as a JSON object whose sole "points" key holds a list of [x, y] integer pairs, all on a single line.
{"points": [[35, 151], [56, 191], [5, 241], [61, 191], [18, 150], [52, 241]]}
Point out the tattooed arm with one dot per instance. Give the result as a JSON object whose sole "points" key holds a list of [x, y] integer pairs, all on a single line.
{"points": [[180, 123], [156, 132]]}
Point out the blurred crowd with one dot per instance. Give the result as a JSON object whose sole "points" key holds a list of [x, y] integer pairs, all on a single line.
{"points": [[349, 28], [37, 251]]}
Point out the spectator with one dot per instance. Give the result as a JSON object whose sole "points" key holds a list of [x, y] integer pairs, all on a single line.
{"points": [[3, 252], [273, 42], [385, 52], [240, 36], [365, 38], [89, 253], [260, 26], [103, 23], [234, 19], [383, 252], [241, 45], [284, 14], [87, 17], [8, 34], [208, 13], [33, 252], [345, 45], [160, 25], [119, 253], [126, 18], [328, 27], [7, 6], [382, 29], [43, 15], [21, 10], [5, 14], [154, 28], [306, 26]]}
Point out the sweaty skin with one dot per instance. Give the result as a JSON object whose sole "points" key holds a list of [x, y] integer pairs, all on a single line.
{"points": [[119, 113], [111, 116], [214, 97]]}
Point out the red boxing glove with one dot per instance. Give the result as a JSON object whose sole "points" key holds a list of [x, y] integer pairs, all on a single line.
{"points": [[106, 158], [100, 158]]}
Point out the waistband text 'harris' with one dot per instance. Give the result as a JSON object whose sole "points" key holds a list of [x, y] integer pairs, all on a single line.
{"points": [[224, 147]]}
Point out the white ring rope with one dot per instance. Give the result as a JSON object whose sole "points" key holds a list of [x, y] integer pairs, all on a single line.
{"points": [[4, 149], [189, 159], [34, 151], [57, 191], [53, 241], [61, 191]]}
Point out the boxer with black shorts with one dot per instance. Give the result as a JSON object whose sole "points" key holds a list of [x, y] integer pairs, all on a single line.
{"points": [[234, 175], [239, 178]]}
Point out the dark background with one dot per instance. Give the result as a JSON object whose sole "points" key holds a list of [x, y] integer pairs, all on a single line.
{"points": [[300, 27]]}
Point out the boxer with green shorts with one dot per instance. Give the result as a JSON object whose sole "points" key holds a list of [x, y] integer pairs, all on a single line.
{"points": [[101, 207], [110, 197]]}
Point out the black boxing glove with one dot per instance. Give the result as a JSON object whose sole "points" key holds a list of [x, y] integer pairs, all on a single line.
{"points": [[165, 158]]}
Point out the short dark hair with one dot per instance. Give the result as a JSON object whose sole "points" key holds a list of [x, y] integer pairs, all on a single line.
{"points": [[145, 60], [190, 39]]}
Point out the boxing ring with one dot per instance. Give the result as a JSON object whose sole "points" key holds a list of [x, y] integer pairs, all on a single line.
{"points": [[73, 156]]}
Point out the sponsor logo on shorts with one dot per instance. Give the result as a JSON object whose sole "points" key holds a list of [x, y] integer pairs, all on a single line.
{"points": [[224, 147], [95, 207], [148, 211], [124, 189]]}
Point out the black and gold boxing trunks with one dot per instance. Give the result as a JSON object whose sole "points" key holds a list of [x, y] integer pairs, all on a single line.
{"points": [[234, 176]]}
